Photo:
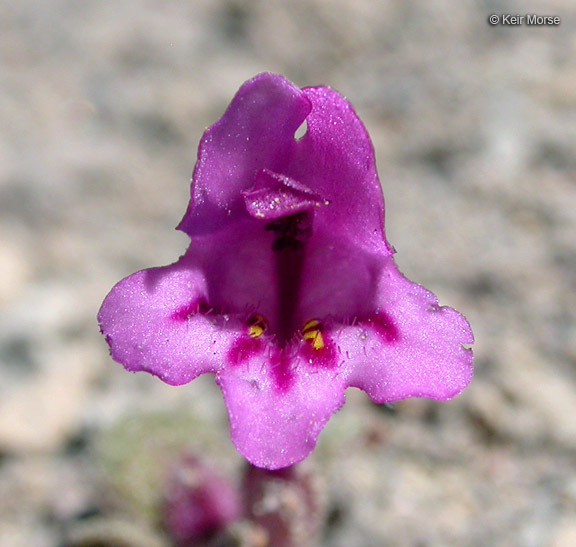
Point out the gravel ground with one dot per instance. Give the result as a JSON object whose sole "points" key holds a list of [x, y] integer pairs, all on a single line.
{"points": [[101, 108]]}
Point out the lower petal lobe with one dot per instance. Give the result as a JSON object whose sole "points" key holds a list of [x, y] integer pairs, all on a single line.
{"points": [[408, 346], [158, 321], [273, 427]]}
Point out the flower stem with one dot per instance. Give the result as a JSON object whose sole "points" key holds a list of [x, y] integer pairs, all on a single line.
{"points": [[285, 503]]}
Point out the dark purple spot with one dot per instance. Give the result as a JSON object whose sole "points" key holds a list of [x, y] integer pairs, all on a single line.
{"points": [[243, 349], [382, 324], [196, 306], [325, 357], [282, 372], [278, 363]]}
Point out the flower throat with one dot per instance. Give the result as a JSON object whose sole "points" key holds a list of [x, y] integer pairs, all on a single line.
{"points": [[291, 235]]}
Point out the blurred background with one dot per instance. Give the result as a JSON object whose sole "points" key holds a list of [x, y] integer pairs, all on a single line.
{"points": [[102, 105]]}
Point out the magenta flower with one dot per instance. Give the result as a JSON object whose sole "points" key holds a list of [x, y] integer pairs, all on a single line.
{"points": [[288, 292]]}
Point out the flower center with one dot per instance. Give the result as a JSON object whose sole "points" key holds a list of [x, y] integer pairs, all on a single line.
{"points": [[287, 206]]}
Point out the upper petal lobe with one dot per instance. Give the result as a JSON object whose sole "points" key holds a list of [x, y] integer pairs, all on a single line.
{"points": [[335, 158], [256, 132]]}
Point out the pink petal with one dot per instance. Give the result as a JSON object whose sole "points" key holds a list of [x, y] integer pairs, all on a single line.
{"points": [[157, 321], [338, 279], [256, 132], [239, 267], [335, 158], [409, 347], [277, 409]]}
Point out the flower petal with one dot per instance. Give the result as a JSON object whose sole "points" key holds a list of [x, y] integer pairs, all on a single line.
{"points": [[238, 262], [256, 132], [335, 159], [157, 321], [277, 408], [409, 347], [338, 279]]}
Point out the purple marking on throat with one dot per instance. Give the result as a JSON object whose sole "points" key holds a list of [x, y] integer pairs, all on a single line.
{"points": [[382, 325], [197, 306], [243, 349], [325, 357], [282, 373], [279, 362]]}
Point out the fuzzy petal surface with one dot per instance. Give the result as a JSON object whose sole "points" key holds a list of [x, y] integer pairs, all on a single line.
{"points": [[409, 346], [339, 278], [157, 321], [238, 267], [277, 412], [335, 158], [256, 132]]}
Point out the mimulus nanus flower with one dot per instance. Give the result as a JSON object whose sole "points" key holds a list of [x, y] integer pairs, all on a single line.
{"points": [[288, 292]]}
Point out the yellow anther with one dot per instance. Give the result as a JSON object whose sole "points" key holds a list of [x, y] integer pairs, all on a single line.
{"points": [[257, 325], [311, 332], [313, 324], [255, 331]]}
